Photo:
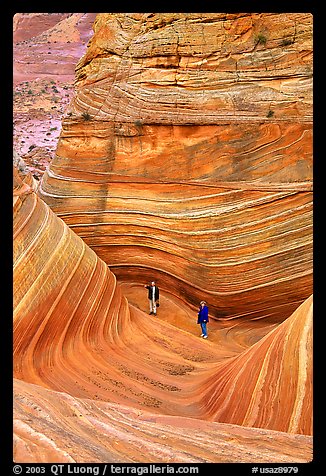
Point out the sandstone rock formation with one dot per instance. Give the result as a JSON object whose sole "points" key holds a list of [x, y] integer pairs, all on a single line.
{"points": [[26, 26], [88, 364], [82, 430], [186, 156], [280, 369], [21, 174]]}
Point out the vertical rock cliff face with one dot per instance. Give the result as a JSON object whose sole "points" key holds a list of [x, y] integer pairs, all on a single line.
{"points": [[186, 156]]}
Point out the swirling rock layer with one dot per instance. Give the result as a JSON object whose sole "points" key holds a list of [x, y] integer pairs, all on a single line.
{"points": [[197, 68], [280, 368], [121, 374], [81, 430], [186, 156]]}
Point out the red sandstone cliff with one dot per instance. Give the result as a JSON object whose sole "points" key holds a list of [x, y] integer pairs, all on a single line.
{"points": [[186, 155]]}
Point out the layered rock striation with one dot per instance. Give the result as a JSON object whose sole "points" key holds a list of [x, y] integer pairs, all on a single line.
{"points": [[186, 156], [73, 328], [82, 430], [89, 365], [280, 369]]}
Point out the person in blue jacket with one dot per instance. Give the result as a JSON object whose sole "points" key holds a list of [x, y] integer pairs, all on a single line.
{"points": [[203, 318]]}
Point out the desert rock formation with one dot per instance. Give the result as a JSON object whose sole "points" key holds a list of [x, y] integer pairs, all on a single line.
{"points": [[185, 156], [81, 430], [76, 334], [49, 44], [46, 49], [280, 369]]}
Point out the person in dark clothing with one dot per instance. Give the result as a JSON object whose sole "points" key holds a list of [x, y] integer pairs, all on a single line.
{"points": [[203, 318], [153, 297]]}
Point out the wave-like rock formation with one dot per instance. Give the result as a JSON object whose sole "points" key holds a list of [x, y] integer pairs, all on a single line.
{"points": [[82, 430], [186, 156], [280, 369], [89, 365]]}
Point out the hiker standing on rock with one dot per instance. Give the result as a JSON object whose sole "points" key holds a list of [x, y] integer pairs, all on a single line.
{"points": [[203, 318], [153, 297]]}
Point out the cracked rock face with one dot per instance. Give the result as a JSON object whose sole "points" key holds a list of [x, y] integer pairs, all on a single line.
{"points": [[198, 69], [186, 156]]}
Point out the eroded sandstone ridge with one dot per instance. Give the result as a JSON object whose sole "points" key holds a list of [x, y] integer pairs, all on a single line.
{"points": [[186, 156], [88, 365]]}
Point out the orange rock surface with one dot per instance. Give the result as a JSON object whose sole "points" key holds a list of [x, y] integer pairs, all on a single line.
{"points": [[280, 368], [185, 156], [144, 385], [82, 430]]}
